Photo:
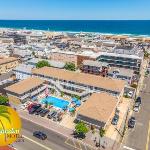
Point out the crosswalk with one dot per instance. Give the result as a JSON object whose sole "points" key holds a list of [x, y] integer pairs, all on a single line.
{"points": [[78, 145]]}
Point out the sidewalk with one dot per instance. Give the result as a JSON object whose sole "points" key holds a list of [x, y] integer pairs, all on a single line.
{"points": [[56, 127], [140, 84]]}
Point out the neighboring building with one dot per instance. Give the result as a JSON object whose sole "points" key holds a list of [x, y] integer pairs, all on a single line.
{"points": [[6, 40], [129, 59], [98, 110], [25, 90], [64, 57], [121, 73], [19, 39], [78, 83], [23, 71], [6, 77], [23, 53], [69, 56], [93, 67], [7, 64], [55, 64]]}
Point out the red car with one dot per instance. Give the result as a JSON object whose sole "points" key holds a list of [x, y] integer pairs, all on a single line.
{"points": [[31, 105]]}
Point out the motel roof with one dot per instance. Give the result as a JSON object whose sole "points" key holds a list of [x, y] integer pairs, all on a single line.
{"points": [[24, 85], [82, 78], [99, 106], [7, 60]]}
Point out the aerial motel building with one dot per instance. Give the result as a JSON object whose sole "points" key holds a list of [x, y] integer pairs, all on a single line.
{"points": [[80, 84], [25, 90]]}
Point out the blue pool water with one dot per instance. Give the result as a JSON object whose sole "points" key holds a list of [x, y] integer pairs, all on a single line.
{"points": [[60, 103]]}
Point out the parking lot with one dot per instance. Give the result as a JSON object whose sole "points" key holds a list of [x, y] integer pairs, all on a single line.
{"points": [[38, 110]]}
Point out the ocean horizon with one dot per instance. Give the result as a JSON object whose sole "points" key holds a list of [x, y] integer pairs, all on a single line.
{"points": [[128, 27]]}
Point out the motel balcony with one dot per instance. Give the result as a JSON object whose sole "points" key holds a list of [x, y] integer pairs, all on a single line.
{"points": [[38, 90], [25, 96]]}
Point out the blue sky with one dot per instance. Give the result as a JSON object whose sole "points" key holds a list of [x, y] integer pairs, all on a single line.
{"points": [[75, 9]]}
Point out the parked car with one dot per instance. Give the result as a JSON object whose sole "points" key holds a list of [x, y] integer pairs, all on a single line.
{"points": [[130, 94], [57, 117], [44, 112], [115, 119], [37, 112], [51, 114], [131, 122], [25, 105], [34, 108], [40, 135], [31, 105], [138, 100], [136, 107], [78, 135]]}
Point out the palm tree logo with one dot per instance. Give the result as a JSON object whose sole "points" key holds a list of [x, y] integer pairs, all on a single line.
{"points": [[4, 114]]}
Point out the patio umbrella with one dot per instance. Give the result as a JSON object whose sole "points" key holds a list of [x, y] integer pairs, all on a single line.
{"points": [[74, 99], [78, 103]]}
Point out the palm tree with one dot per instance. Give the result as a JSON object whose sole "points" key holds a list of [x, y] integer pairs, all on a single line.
{"points": [[5, 114]]}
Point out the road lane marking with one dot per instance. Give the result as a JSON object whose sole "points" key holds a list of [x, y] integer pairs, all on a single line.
{"points": [[129, 148], [45, 147], [148, 134]]}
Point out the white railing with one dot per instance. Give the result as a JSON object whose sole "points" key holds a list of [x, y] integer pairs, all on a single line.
{"points": [[38, 91]]}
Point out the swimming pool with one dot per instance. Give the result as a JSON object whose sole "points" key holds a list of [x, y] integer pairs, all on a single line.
{"points": [[60, 103]]}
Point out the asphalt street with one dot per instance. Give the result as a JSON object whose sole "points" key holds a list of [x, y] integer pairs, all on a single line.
{"points": [[54, 140], [139, 137]]}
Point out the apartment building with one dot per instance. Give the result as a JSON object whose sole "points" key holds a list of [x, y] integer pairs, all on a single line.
{"points": [[129, 59], [93, 67], [80, 84], [63, 57], [7, 64], [70, 56], [23, 71]]}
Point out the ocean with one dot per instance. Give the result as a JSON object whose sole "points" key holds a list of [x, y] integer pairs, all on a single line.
{"points": [[134, 27]]}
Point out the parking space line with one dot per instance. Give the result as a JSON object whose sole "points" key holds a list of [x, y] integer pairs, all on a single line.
{"points": [[148, 135]]}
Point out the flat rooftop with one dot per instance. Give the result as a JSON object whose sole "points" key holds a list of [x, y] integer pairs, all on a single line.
{"points": [[24, 68], [24, 85], [121, 71], [94, 63], [99, 106], [82, 78], [134, 53], [56, 64]]}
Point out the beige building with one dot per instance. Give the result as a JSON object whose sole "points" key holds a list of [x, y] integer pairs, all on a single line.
{"points": [[64, 57], [7, 64], [6, 40], [98, 110], [80, 84], [71, 57], [25, 90]]}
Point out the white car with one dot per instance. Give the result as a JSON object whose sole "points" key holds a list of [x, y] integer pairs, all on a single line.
{"points": [[136, 107], [130, 94], [25, 105]]}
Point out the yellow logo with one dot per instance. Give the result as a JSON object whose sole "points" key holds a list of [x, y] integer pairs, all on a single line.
{"points": [[10, 125]]}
